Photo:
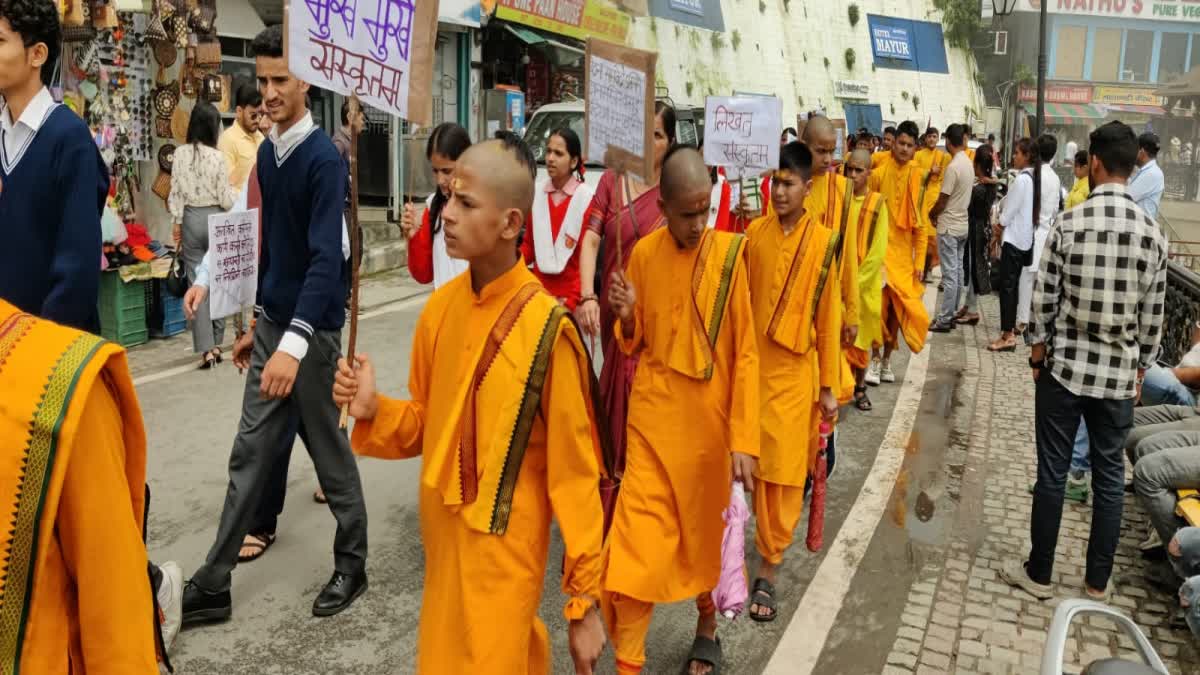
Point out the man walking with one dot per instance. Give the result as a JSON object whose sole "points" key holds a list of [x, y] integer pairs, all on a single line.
{"points": [[1146, 185], [1097, 322], [239, 143], [302, 279], [949, 216]]}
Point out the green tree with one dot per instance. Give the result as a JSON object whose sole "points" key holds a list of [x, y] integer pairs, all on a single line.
{"points": [[961, 19]]}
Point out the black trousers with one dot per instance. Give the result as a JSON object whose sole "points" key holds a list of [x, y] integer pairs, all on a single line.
{"points": [[1011, 261], [1057, 413], [270, 505]]}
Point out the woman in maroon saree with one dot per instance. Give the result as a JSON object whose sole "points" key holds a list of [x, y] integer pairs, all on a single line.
{"points": [[593, 312]]}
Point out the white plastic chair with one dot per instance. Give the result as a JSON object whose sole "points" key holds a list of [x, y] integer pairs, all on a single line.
{"points": [[1056, 642]]}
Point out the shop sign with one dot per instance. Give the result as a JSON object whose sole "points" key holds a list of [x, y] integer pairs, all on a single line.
{"points": [[695, 7], [891, 42], [579, 19], [851, 89], [1160, 10], [1126, 96], [1059, 93]]}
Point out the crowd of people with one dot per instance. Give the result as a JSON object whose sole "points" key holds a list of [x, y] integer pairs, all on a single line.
{"points": [[729, 342]]}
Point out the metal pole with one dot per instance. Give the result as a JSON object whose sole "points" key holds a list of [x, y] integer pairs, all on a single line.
{"points": [[1039, 121]]}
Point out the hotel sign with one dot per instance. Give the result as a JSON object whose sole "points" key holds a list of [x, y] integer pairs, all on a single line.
{"points": [[1160, 10]]}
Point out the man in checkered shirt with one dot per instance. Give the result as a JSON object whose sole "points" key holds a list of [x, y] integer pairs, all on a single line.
{"points": [[1097, 320]]}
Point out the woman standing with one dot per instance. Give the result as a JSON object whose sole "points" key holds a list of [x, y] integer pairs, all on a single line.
{"points": [[199, 188], [428, 261], [976, 269], [555, 227], [605, 223], [1015, 230]]}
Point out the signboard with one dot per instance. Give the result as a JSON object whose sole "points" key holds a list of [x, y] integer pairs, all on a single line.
{"points": [[580, 19], [851, 89], [891, 42], [1159, 10], [233, 261], [378, 50], [619, 108], [742, 132], [695, 7], [1058, 93], [1126, 96]]}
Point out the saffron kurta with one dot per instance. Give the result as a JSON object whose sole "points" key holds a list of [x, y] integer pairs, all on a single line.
{"points": [[486, 531], [828, 207], [798, 339], [694, 400], [75, 588], [902, 187], [926, 159]]}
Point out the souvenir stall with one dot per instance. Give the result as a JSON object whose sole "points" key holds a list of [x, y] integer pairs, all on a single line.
{"points": [[133, 76]]}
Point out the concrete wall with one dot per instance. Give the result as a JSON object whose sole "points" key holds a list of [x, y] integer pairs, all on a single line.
{"points": [[781, 49]]}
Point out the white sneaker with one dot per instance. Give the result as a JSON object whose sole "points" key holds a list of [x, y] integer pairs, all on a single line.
{"points": [[170, 600], [1152, 541], [872, 376], [886, 374]]}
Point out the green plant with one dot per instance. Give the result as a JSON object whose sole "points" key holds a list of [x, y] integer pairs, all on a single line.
{"points": [[852, 12], [678, 30], [806, 57], [762, 7], [904, 95], [689, 88], [653, 26], [872, 67], [1023, 75], [892, 107], [850, 58], [694, 38], [718, 41], [961, 21], [736, 39], [826, 61], [916, 103], [787, 5], [801, 101]]}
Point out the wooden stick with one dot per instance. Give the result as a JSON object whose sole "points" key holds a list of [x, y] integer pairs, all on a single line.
{"points": [[621, 181], [355, 243]]}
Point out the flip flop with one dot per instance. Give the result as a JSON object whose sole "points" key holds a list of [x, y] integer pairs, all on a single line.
{"points": [[259, 544], [861, 400], [763, 596], [705, 651]]}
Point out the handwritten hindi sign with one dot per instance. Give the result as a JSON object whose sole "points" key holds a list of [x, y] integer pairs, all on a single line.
{"points": [[378, 50], [233, 261], [619, 100], [742, 132]]}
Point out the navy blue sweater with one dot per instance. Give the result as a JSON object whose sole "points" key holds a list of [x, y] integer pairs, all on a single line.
{"points": [[51, 199], [302, 274]]}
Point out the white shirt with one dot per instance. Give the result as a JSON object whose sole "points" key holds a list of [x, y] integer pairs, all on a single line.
{"points": [[1017, 213], [286, 142], [17, 135], [1146, 186]]}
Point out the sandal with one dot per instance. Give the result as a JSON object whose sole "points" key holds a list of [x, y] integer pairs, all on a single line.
{"points": [[707, 652], [968, 320], [1003, 345], [216, 352], [209, 361], [258, 545], [319, 496], [763, 596], [861, 400]]}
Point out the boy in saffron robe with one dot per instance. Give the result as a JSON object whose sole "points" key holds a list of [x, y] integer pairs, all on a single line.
{"points": [[869, 218], [683, 305], [797, 302], [501, 415]]}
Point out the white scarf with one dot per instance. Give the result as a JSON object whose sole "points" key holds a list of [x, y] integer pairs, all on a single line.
{"points": [[553, 254], [445, 268], [714, 205]]}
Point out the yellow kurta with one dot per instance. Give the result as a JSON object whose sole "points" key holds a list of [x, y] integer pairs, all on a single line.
{"points": [[829, 209], [77, 595], [901, 190], [1078, 194], [878, 158], [802, 356], [482, 589], [926, 159], [665, 541], [872, 247]]}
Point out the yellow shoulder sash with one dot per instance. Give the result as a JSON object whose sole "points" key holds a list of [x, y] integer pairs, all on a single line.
{"points": [[712, 279], [803, 269]]}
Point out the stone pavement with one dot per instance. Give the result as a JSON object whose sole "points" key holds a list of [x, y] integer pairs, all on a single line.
{"points": [[960, 617]]}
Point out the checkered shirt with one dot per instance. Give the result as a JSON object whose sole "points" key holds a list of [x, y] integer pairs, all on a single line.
{"points": [[1098, 303]]}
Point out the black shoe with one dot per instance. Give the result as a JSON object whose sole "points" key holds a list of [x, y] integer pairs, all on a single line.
{"points": [[200, 606], [937, 327], [339, 593]]}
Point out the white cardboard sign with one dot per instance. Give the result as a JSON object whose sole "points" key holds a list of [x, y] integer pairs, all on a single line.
{"points": [[742, 132], [233, 261]]}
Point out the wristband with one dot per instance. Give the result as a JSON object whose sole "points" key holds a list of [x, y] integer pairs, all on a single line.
{"points": [[587, 298]]}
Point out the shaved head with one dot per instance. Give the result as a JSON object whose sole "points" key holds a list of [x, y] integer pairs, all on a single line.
{"points": [[821, 137], [684, 172], [861, 157], [818, 128], [498, 171]]}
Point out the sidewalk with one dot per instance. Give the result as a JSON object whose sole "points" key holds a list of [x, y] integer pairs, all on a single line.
{"points": [[176, 351], [959, 616]]}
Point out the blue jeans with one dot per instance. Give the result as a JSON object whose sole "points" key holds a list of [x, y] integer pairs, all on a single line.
{"points": [[1079, 454], [950, 251], [1161, 387]]}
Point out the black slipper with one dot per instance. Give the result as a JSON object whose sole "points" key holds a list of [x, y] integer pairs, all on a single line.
{"points": [[763, 596], [861, 400], [705, 651]]}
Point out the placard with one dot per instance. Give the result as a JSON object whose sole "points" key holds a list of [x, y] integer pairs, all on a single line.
{"points": [[233, 261], [891, 42], [619, 108], [378, 50], [742, 132]]}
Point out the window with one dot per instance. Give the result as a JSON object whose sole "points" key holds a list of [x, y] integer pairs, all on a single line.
{"points": [[1138, 47], [1106, 55], [1172, 58], [1069, 52], [1195, 52]]}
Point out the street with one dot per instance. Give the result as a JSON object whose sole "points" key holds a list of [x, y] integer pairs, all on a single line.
{"points": [[909, 513]]}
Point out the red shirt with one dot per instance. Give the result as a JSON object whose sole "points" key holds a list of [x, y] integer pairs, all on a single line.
{"points": [[564, 285], [420, 252]]}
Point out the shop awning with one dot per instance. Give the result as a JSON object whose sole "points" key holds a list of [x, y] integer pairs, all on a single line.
{"points": [[558, 51], [1068, 113], [237, 19], [524, 34], [1137, 109]]}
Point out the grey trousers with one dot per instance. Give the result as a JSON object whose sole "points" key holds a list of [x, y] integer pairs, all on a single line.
{"points": [[1167, 461], [258, 445], [1155, 419], [207, 332]]}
